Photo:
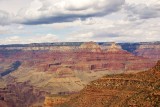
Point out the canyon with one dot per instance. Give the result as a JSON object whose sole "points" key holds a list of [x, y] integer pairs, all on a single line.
{"points": [[32, 74], [121, 90]]}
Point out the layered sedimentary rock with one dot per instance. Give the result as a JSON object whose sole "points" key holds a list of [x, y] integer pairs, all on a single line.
{"points": [[140, 49], [90, 47], [20, 94], [50, 101], [65, 72], [114, 58], [62, 69], [88, 57], [151, 50], [114, 47], [141, 89], [92, 59]]}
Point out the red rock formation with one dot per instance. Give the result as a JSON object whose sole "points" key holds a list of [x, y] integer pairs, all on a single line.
{"points": [[114, 47], [133, 90], [89, 57], [90, 47], [149, 51], [64, 72], [52, 101], [20, 95]]}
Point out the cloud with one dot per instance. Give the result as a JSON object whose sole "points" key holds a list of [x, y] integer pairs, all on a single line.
{"points": [[142, 11], [5, 18], [118, 31], [149, 2], [31, 39], [4, 30], [20, 27], [82, 20], [82, 37], [43, 38], [11, 40], [49, 11]]}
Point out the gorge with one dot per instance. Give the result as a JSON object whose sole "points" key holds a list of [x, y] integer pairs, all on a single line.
{"points": [[63, 69]]}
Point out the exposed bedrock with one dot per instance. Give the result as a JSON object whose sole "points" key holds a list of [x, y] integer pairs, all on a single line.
{"points": [[49, 70], [139, 90]]}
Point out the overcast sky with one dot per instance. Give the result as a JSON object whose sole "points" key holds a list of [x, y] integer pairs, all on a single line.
{"points": [[28, 21]]}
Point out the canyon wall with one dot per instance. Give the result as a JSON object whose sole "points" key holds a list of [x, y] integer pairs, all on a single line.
{"points": [[49, 69], [117, 91], [147, 50]]}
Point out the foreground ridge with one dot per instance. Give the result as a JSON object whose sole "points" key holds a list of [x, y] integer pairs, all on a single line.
{"points": [[140, 90]]}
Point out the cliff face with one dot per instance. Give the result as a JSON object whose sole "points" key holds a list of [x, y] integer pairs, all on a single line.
{"points": [[141, 89], [90, 47], [89, 56], [47, 69], [149, 50], [12, 68], [114, 58], [51, 101], [20, 95]]}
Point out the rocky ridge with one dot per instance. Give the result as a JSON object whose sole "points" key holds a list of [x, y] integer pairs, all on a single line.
{"points": [[140, 90], [64, 71]]}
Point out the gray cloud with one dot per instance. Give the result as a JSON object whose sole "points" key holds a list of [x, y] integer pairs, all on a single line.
{"points": [[142, 11], [5, 18], [119, 31], [47, 11]]}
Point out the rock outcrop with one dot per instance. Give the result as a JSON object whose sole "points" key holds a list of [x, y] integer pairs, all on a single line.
{"points": [[141, 89], [90, 47], [64, 72], [114, 47], [149, 51], [20, 95], [50, 101], [62, 69]]}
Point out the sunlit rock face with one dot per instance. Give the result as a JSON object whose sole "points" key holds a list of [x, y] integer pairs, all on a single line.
{"points": [[64, 72], [114, 47], [87, 57], [147, 50], [20, 95], [63, 69], [141, 89], [90, 47], [51, 101], [118, 59]]}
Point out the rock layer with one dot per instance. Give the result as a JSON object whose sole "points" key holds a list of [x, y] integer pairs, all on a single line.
{"points": [[141, 89], [63, 69], [149, 51]]}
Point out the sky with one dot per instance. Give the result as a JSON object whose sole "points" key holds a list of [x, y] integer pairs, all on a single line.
{"points": [[37, 21]]}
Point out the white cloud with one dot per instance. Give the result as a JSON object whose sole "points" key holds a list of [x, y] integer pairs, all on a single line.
{"points": [[119, 31], [31, 39], [44, 38], [5, 18], [81, 37], [20, 27], [10, 40], [142, 11], [149, 2], [82, 20], [49, 11], [4, 30], [13, 6]]}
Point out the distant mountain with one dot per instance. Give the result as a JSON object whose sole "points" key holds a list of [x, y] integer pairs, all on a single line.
{"points": [[140, 48]]}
